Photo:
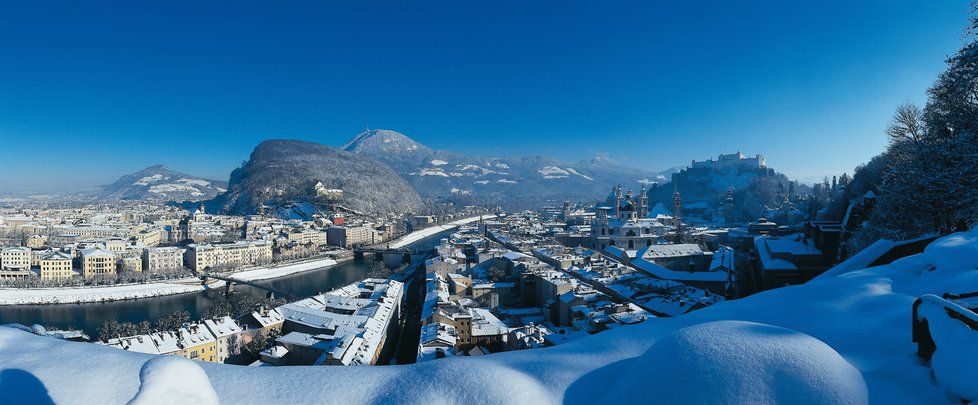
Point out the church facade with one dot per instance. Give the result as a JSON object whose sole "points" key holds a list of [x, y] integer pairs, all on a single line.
{"points": [[623, 221]]}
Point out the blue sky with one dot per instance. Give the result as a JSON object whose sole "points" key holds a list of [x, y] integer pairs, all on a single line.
{"points": [[90, 91]]}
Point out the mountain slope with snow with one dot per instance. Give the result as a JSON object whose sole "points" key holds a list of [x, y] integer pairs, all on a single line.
{"points": [[160, 183], [282, 175], [841, 338]]}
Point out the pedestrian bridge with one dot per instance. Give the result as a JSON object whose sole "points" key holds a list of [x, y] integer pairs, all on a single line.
{"points": [[230, 281], [380, 253]]}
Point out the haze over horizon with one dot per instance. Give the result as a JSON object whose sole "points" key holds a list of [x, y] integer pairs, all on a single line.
{"points": [[651, 85]]}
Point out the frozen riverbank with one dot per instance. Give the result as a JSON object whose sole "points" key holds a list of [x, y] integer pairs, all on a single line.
{"points": [[282, 271], [78, 295]]}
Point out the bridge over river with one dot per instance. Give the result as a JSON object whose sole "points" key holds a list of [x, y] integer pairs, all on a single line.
{"points": [[381, 253], [230, 281]]}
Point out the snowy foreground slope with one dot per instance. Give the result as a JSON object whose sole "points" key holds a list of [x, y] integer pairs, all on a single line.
{"points": [[842, 338]]}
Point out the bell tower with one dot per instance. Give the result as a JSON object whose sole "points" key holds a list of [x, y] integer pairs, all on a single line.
{"points": [[728, 206], [677, 211], [618, 199], [602, 229], [677, 207], [643, 203]]}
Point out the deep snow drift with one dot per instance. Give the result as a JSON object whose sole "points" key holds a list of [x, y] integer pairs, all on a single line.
{"points": [[844, 338]]}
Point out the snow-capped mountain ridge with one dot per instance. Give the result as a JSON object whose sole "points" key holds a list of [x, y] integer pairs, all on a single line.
{"points": [[502, 180]]}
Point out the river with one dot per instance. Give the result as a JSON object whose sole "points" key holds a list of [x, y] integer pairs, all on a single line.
{"points": [[88, 317]]}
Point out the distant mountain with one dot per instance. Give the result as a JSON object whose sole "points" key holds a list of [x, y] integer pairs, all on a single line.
{"points": [[159, 183], [510, 182], [283, 174]]}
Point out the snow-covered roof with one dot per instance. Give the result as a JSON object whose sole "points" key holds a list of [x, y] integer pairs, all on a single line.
{"points": [[222, 327], [653, 252], [667, 274]]}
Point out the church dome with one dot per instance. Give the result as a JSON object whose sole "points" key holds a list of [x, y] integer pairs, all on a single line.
{"points": [[627, 206]]}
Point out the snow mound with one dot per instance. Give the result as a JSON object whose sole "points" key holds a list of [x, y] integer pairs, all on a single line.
{"points": [[954, 251], [173, 380], [724, 361]]}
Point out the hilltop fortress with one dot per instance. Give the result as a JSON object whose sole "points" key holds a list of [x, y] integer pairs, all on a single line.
{"points": [[732, 160]]}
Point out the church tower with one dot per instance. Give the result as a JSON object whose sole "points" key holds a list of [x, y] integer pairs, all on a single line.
{"points": [[677, 207], [566, 211], [199, 215], [602, 228], [618, 198], [728, 207], [643, 203]]}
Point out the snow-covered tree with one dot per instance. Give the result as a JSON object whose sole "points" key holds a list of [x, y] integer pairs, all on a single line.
{"points": [[929, 185]]}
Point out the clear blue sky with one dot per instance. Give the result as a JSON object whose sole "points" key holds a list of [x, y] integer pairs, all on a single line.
{"points": [[90, 91]]}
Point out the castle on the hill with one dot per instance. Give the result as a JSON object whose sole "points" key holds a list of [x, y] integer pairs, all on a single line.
{"points": [[732, 160]]}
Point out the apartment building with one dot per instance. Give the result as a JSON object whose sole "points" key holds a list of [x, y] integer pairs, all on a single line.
{"points": [[201, 257], [56, 266], [96, 261], [157, 259]]}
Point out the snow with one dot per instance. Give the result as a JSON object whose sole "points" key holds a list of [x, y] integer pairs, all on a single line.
{"points": [[432, 172], [174, 187], [173, 380], [196, 182], [433, 230], [954, 360], [572, 171], [438, 162], [822, 341], [265, 273], [506, 181], [71, 295], [553, 172], [733, 359], [475, 168], [860, 260], [666, 274], [148, 179]]}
